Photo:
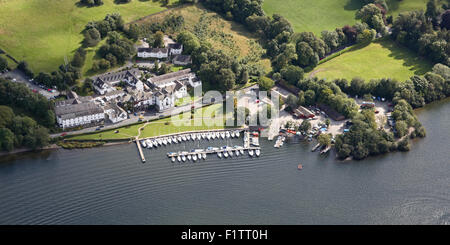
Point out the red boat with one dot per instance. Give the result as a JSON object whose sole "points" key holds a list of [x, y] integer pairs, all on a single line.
{"points": [[300, 167]]}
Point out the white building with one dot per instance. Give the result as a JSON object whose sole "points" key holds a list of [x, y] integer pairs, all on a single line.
{"points": [[78, 112], [114, 113], [101, 87], [175, 48], [158, 53]]}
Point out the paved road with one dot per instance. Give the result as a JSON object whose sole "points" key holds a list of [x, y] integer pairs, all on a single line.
{"points": [[18, 76]]}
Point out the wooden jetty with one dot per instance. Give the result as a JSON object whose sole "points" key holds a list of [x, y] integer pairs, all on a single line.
{"points": [[141, 153], [215, 151]]}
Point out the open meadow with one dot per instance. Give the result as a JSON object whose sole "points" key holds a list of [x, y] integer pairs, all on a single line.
{"points": [[43, 32], [380, 59], [319, 15]]}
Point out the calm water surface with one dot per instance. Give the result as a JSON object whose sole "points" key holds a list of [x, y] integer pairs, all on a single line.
{"points": [[110, 185]]}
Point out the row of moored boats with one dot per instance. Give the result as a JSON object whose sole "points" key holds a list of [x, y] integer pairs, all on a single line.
{"points": [[222, 152], [150, 143]]}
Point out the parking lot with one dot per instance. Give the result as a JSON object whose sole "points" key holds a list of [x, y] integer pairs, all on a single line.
{"points": [[18, 76]]}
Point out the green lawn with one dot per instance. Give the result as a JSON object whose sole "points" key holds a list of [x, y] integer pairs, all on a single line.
{"points": [[319, 15], [377, 60], [204, 120], [315, 16], [42, 32]]}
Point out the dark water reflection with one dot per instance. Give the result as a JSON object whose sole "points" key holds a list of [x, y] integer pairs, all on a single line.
{"points": [[109, 185]]}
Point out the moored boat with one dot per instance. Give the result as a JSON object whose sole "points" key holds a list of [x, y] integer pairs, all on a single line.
{"points": [[169, 140], [250, 152], [194, 157], [300, 167], [183, 157], [143, 144], [204, 156], [257, 152], [225, 154], [189, 157], [173, 159], [219, 154], [179, 158], [227, 134]]}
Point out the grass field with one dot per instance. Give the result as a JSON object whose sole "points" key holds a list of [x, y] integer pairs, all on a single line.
{"points": [[319, 15], [377, 60], [228, 36], [204, 120], [42, 32]]}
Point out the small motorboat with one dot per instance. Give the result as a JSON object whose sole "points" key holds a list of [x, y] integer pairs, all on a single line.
{"points": [[208, 136], [179, 139], [159, 141], [183, 157], [230, 152], [193, 136], [189, 157], [173, 159], [194, 157], [225, 154], [179, 158], [149, 144], [183, 137], [188, 137], [300, 167], [222, 135], [199, 155], [250, 153], [155, 144], [204, 156], [241, 151], [218, 135], [175, 140], [237, 134], [219, 154], [257, 152], [169, 140], [164, 141], [227, 134], [233, 134], [143, 144], [237, 153]]}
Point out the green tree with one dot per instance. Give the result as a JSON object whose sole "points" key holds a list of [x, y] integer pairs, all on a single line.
{"points": [[3, 64], [265, 83]]}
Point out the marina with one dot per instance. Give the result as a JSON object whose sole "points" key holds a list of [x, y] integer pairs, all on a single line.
{"points": [[250, 144]]}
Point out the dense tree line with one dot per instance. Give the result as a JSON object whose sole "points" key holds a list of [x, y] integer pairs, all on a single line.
{"points": [[417, 91], [415, 30], [20, 131], [237, 10], [170, 23], [114, 52]]}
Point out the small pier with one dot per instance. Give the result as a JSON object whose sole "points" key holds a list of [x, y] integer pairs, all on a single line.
{"points": [[141, 153], [212, 151]]}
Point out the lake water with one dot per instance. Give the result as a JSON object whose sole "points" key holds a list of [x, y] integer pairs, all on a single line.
{"points": [[110, 185]]}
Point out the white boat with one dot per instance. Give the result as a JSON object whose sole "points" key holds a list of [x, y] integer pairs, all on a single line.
{"points": [[237, 153], [159, 141], [199, 136], [225, 154], [241, 151], [219, 154], [183, 157], [179, 158], [237, 134], [199, 155], [173, 159], [189, 157], [164, 141], [227, 134], [193, 136], [217, 135], [188, 137], [208, 136], [194, 157], [213, 135], [230, 152], [169, 140], [204, 156], [257, 152], [175, 140], [143, 144], [203, 136], [222, 135], [250, 153], [149, 143], [154, 143]]}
